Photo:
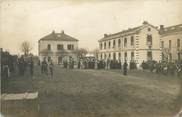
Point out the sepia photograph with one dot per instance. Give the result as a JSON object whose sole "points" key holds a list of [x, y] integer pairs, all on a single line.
{"points": [[91, 58]]}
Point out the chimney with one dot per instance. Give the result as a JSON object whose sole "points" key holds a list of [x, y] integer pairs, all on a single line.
{"points": [[53, 32], [105, 35], [145, 22], [161, 27], [62, 32]]}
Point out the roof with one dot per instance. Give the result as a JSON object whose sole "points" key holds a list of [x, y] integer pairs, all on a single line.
{"points": [[126, 32], [58, 37], [171, 29]]}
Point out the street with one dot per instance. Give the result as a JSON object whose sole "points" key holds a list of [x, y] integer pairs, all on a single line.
{"points": [[98, 93]]}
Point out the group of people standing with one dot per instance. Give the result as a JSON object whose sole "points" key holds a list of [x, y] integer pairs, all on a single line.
{"points": [[92, 63], [164, 67], [47, 67], [23, 65], [11, 63]]}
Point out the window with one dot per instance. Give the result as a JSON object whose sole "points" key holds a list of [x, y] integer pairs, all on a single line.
{"points": [[114, 43], [162, 44], [60, 47], [178, 43], [149, 39], [169, 44], [104, 45], [101, 56], [132, 41], [132, 55], [163, 56], [149, 55], [125, 55], [49, 47], [70, 47], [109, 44], [101, 46], [105, 56], [109, 55], [149, 29], [125, 42], [114, 56], [170, 57], [179, 57], [119, 42], [119, 56]]}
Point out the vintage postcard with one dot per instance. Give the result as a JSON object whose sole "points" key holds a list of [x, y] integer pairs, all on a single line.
{"points": [[91, 58]]}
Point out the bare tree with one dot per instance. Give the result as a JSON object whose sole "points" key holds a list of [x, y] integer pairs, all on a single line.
{"points": [[96, 52], [81, 52], [26, 47]]}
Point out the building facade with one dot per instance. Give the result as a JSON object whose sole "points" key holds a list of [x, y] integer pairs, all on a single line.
{"points": [[171, 42], [137, 44], [57, 47]]}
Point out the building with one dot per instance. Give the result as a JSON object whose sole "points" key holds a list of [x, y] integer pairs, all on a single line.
{"points": [[171, 42], [139, 44], [57, 47]]}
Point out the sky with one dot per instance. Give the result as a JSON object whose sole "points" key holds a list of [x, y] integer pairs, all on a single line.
{"points": [[86, 20]]}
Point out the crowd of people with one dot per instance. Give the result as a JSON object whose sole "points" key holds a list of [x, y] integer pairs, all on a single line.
{"points": [[10, 63], [22, 65], [164, 67], [7, 64], [92, 63], [47, 67]]}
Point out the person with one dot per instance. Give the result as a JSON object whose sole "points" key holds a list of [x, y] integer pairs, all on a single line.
{"points": [[179, 70], [44, 66], [51, 68], [21, 66], [125, 65], [79, 64], [31, 64]]}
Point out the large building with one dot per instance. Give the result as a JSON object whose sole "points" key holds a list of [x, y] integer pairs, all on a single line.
{"points": [[171, 42], [57, 47], [139, 44]]}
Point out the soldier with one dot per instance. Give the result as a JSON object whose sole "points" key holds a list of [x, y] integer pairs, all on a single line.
{"points": [[179, 70], [21, 66], [31, 64], [79, 64], [44, 67], [125, 65], [51, 68]]}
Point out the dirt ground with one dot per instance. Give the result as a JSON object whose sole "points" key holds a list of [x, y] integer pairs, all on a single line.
{"points": [[94, 93]]}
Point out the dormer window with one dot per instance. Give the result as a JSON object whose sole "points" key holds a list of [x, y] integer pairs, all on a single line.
{"points": [[149, 29]]}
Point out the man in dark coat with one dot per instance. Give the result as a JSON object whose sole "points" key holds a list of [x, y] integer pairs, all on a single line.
{"points": [[31, 67], [125, 65]]}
